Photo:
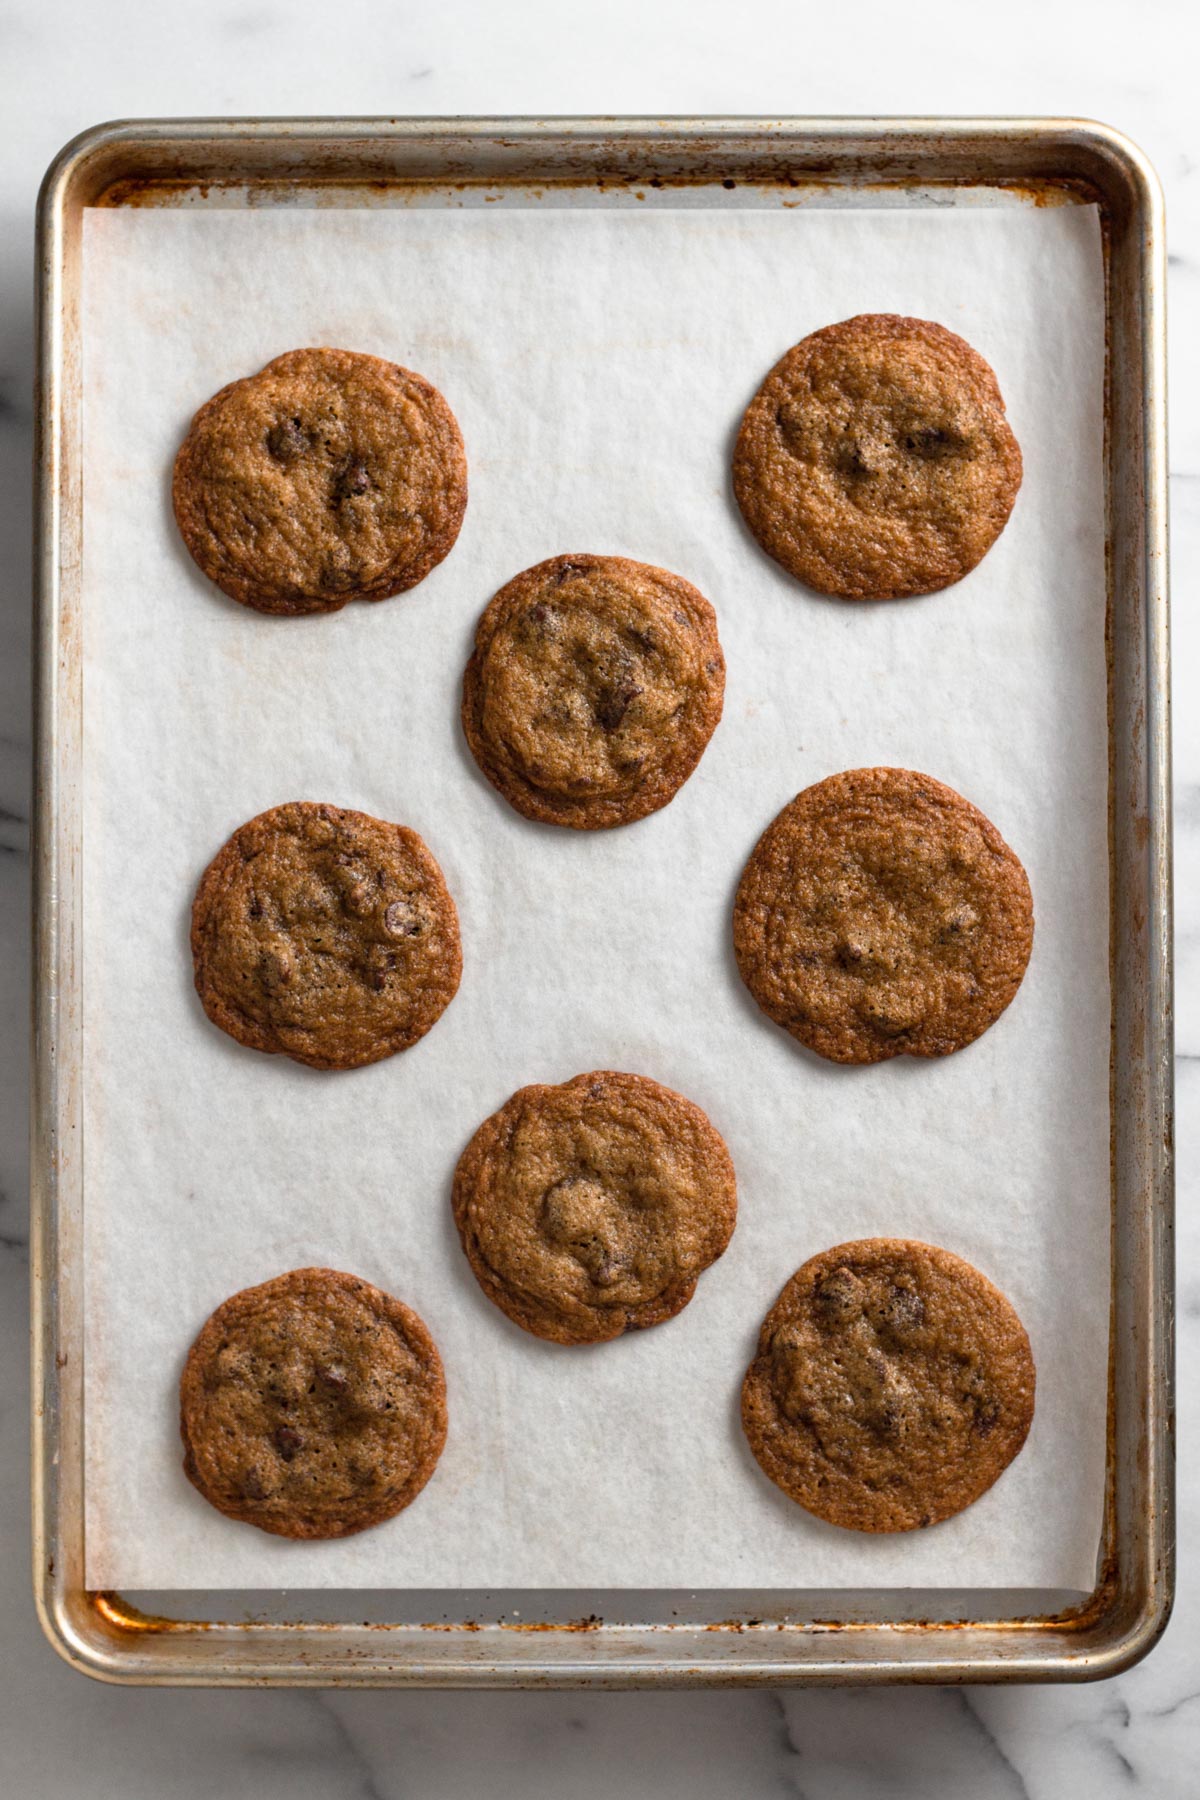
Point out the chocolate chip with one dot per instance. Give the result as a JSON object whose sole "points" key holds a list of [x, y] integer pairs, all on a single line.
{"points": [[604, 1268], [255, 908], [337, 574], [252, 1484], [963, 918], [838, 1298], [931, 442], [380, 969], [904, 1310], [287, 441], [613, 704], [287, 1442], [566, 571], [353, 479], [333, 1378], [887, 1421], [402, 919], [644, 641]]}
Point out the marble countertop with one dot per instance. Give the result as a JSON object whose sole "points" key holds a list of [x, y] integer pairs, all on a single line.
{"points": [[65, 65]]}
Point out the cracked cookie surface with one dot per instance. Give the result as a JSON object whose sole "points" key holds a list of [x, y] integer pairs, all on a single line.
{"points": [[325, 935], [594, 688], [312, 1406], [592, 1208], [881, 914], [329, 476], [876, 461], [892, 1385]]}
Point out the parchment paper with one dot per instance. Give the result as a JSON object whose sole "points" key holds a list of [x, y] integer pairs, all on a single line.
{"points": [[598, 361]]}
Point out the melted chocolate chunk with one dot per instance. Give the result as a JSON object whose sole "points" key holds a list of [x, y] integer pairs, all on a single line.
{"points": [[613, 704], [934, 442], [904, 1311], [288, 441], [402, 919], [352, 480], [839, 1298]]}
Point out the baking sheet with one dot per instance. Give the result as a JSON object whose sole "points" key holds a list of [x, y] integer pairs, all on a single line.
{"points": [[598, 360]]}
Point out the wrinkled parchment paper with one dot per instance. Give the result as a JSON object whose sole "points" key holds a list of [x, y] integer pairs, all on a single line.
{"points": [[598, 360]]}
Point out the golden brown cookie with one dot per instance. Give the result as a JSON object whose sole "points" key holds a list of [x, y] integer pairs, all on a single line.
{"points": [[328, 476], [891, 1386], [882, 915], [325, 935], [593, 1208], [312, 1406], [593, 690], [875, 460]]}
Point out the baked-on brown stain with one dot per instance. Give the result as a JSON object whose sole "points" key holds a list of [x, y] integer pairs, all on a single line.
{"points": [[325, 935], [312, 1406], [594, 687], [592, 1208], [876, 460], [881, 914], [892, 1385], [329, 476]]}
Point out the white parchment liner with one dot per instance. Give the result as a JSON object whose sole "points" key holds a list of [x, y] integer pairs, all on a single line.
{"points": [[598, 360]]}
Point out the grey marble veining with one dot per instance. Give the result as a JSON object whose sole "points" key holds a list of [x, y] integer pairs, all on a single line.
{"points": [[63, 65]]}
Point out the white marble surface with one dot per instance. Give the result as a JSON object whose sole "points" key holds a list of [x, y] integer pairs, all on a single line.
{"points": [[65, 64]]}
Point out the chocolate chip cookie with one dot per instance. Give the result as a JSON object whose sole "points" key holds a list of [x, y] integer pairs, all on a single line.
{"points": [[882, 915], [875, 461], [592, 1208], [328, 476], [593, 690], [892, 1385], [312, 1406], [325, 935]]}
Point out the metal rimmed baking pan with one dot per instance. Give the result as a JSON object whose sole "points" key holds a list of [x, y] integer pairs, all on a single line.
{"points": [[628, 1638]]}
